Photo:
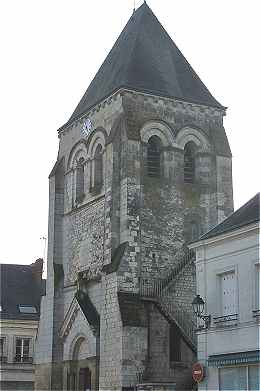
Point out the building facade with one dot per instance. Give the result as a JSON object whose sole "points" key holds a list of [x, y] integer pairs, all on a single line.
{"points": [[228, 274], [21, 291], [144, 166]]}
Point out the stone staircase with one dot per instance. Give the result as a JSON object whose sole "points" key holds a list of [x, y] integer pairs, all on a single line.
{"points": [[158, 290]]}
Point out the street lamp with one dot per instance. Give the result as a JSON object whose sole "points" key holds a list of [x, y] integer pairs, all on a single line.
{"points": [[198, 306]]}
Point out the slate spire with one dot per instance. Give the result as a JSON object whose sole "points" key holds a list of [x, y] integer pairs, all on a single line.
{"points": [[145, 59]]}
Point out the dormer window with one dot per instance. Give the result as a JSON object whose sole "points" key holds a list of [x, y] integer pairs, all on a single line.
{"points": [[154, 157], [189, 163], [27, 309]]}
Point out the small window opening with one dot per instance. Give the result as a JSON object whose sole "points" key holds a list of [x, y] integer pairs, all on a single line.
{"points": [[80, 180], [98, 167], [154, 157], [175, 344], [189, 163]]}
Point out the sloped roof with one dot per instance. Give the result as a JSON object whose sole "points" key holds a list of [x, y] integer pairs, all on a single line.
{"points": [[19, 287], [144, 58], [247, 214]]}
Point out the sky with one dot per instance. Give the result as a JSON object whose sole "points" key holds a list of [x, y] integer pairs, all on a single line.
{"points": [[50, 51]]}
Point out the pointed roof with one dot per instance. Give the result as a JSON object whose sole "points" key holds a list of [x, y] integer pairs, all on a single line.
{"points": [[145, 59], [249, 213]]}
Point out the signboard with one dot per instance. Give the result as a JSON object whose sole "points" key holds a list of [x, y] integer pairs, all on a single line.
{"points": [[198, 372]]}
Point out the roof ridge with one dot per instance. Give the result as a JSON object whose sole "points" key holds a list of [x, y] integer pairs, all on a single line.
{"points": [[136, 38]]}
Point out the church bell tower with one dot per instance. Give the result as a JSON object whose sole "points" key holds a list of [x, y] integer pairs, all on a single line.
{"points": [[144, 167]]}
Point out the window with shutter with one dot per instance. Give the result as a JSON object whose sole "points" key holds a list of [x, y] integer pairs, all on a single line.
{"points": [[228, 293]]}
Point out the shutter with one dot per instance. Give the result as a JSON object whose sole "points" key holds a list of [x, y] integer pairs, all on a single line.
{"points": [[228, 282]]}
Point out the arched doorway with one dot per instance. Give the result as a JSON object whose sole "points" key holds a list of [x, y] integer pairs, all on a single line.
{"points": [[84, 379], [80, 374]]}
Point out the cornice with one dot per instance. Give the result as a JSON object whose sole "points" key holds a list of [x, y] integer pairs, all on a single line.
{"points": [[226, 236], [175, 103]]}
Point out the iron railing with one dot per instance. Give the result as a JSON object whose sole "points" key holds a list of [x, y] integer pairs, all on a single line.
{"points": [[158, 290], [156, 287], [181, 317], [225, 318]]}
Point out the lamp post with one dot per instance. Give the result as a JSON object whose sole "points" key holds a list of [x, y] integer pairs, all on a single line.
{"points": [[198, 306]]}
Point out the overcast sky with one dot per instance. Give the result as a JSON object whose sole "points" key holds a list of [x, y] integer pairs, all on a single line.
{"points": [[51, 50]]}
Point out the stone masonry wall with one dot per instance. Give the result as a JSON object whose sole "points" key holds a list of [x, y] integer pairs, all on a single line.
{"points": [[160, 210], [135, 348], [111, 334], [84, 239]]}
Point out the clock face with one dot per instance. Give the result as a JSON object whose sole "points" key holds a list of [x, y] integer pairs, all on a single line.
{"points": [[86, 127]]}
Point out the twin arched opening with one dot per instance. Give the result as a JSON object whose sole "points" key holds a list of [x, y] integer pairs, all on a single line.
{"points": [[85, 170], [158, 137]]}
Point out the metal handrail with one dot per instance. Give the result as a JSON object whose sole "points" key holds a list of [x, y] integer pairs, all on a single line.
{"points": [[158, 288], [181, 318], [154, 287], [226, 318]]}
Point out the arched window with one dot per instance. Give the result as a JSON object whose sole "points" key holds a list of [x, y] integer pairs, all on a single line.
{"points": [[189, 163], [98, 167], [154, 157], [80, 180]]}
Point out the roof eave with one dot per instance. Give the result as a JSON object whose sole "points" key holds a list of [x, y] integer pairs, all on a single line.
{"points": [[225, 235], [149, 92]]}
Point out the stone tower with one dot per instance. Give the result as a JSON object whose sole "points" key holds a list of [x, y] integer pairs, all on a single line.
{"points": [[144, 166]]}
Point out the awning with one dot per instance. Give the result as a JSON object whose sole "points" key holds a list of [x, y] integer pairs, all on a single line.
{"points": [[222, 360]]}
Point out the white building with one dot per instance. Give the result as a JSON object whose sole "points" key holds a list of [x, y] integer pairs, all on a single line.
{"points": [[20, 295], [228, 269]]}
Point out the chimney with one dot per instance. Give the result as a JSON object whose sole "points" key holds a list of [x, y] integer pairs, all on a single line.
{"points": [[37, 268]]}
